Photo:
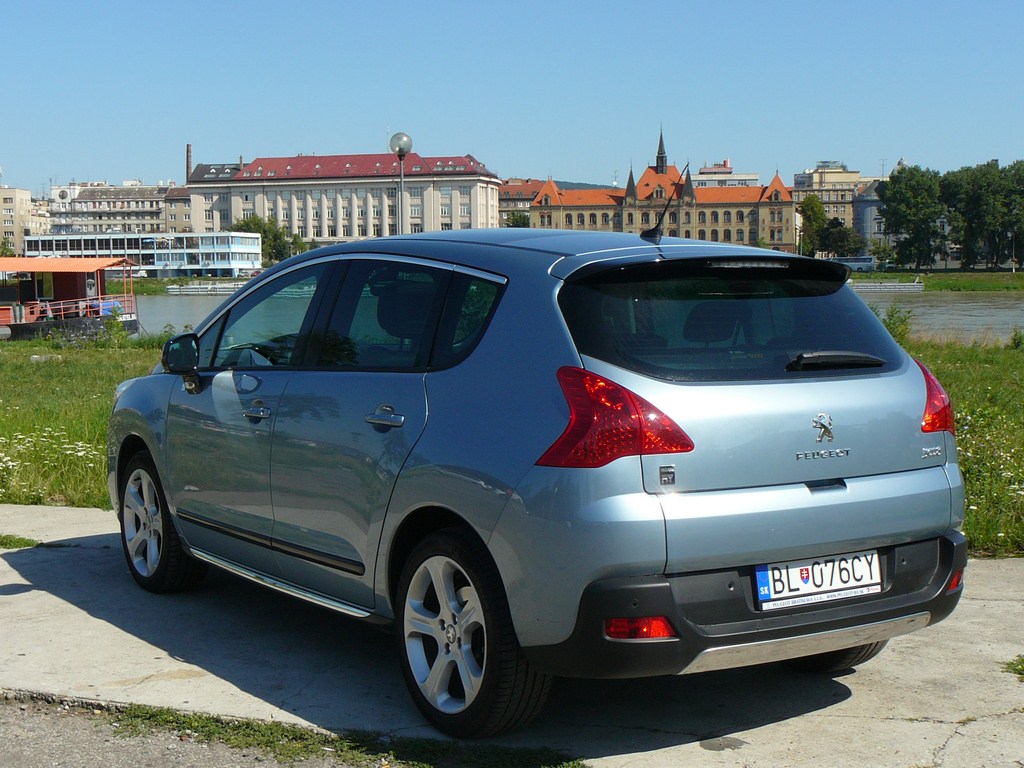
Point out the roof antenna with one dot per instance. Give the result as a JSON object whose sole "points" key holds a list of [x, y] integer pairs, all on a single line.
{"points": [[653, 234]]}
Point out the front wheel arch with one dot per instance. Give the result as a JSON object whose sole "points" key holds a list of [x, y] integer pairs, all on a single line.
{"points": [[153, 551]]}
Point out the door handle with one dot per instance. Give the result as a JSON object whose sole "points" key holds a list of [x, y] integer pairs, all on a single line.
{"points": [[385, 417], [257, 411]]}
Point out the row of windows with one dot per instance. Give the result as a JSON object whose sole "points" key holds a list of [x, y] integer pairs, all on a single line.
{"points": [[359, 192], [646, 218], [107, 205], [375, 212]]}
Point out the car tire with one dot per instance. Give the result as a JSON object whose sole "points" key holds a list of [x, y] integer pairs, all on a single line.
{"points": [[841, 660], [156, 558], [460, 657]]}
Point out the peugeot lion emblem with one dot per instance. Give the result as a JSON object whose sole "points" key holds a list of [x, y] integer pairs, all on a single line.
{"points": [[823, 423]]}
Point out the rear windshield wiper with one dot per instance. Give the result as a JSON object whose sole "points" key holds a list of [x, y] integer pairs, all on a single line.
{"points": [[831, 360]]}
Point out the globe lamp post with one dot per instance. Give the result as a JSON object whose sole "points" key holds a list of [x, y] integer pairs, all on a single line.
{"points": [[401, 145]]}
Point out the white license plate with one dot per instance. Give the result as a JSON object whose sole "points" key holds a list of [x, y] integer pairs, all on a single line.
{"points": [[819, 580]]}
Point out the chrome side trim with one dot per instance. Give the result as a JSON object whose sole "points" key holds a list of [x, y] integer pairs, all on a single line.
{"points": [[282, 586], [731, 656]]}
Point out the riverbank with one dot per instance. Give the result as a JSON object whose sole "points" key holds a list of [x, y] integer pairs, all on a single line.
{"points": [[936, 280], [54, 411], [949, 280]]}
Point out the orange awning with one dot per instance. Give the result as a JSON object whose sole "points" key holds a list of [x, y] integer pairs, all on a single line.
{"points": [[27, 264]]}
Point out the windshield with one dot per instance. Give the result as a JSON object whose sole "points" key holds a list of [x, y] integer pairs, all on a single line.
{"points": [[727, 321]]}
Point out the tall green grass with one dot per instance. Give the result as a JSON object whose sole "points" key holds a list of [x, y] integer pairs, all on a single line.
{"points": [[986, 385], [55, 402]]}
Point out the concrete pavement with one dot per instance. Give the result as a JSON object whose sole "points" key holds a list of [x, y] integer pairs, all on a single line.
{"points": [[74, 624]]}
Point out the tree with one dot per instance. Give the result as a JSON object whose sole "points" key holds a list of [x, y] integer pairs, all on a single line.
{"points": [[517, 219], [297, 244], [911, 210], [6, 249], [838, 239], [882, 252], [276, 244], [814, 221], [976, 201]]}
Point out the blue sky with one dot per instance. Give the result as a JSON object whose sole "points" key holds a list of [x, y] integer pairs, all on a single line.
{"points": [[573, 90]]}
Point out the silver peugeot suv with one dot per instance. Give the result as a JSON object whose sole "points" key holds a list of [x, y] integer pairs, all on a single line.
{"points": [[539, 453]]}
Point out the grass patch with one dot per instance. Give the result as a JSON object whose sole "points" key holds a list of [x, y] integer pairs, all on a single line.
{"points": [[951, 280], [985, 384], [290, 743], [53, 419], [1015, 667], [157, 286], [9, 541]]}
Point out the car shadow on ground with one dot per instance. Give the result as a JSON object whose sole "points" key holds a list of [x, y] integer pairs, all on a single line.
{"points": [[341, 674]]}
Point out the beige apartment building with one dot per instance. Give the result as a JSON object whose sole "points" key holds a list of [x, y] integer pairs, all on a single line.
{"points": [[21, 217], [834, 184], [331, 198], [98, 207], [516, 196]]}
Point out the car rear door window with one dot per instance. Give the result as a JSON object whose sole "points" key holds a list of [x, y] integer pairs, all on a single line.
{"points": [[385, 317]]}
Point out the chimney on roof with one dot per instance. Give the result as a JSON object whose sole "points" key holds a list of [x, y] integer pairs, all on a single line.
{"points": [[240, 163], [188, 161]]}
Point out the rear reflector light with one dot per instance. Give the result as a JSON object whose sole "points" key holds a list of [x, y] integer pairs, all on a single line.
{"points": [[956, 582], [607, 422], [645, 628], [938, 411]]}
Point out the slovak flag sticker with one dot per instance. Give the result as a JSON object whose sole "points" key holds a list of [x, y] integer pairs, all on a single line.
{"points": [[805, 575]]}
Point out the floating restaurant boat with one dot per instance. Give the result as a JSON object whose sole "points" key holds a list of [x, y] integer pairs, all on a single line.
{"points": [[40, 296]]}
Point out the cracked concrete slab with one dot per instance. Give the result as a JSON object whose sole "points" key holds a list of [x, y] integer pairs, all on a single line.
{"points": [[73, 624]]}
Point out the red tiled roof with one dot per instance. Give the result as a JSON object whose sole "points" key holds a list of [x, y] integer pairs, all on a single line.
{"points": [[526, 190], [578, 197], [776, 184], [671, 181], [726, 195], [651, 180], [341, 166]]}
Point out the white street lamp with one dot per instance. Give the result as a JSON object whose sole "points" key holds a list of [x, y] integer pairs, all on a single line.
{"points": [[401, 145]]}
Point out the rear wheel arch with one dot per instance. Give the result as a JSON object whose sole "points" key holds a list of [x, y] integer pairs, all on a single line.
{"points": [[417, 526]]}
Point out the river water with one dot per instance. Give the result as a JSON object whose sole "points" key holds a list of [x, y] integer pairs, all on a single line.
{"points": [[967, 316], [960, 316]]}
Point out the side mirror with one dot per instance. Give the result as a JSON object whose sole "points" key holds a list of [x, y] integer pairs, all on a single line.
{"points": [[181, 356]]}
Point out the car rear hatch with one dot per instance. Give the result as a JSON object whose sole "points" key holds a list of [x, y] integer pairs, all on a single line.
{"points": [[805, 416]]}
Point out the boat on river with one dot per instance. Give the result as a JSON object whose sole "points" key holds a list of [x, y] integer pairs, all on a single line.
{"points": [[41, 296]]}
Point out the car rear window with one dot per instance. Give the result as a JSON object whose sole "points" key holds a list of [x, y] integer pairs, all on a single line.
{"points": [[727, 320]]}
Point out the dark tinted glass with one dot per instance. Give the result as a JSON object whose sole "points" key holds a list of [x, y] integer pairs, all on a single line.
{"points": [[470, 305], [727, 321], [385, 317]]}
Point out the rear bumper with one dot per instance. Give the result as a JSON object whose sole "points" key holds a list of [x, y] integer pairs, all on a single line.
{"points": [[719, 626]]}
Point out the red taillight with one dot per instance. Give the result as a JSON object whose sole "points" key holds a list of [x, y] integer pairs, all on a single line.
{"points": [[607, 422], [938, 411], [955, 582], [645, 628]]}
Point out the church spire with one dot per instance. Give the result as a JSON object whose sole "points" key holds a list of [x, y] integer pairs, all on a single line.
{"points": [[630, 186], [661, 162]]}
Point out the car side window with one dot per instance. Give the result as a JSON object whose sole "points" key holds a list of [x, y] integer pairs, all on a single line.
{"points": [[266, 327], [470, 305], [385, 317]]}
